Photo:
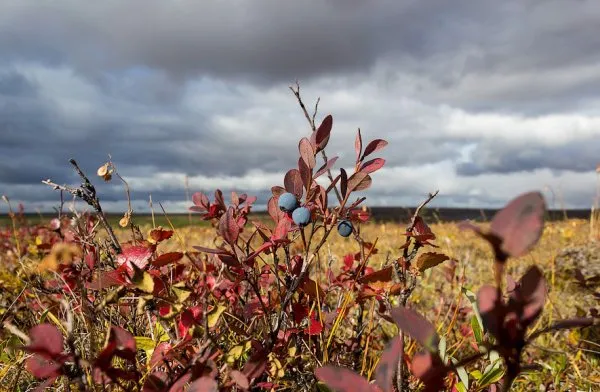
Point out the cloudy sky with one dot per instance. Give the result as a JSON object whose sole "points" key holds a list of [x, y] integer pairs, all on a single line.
{"points": [[479, 99]]}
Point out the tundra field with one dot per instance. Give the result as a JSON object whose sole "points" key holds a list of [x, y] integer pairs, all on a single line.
{"points": [[563, 361]]}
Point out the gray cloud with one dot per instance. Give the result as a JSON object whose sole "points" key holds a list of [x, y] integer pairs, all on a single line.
{"points": [[200, 88]]}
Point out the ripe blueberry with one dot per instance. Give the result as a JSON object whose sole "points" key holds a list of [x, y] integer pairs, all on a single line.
{"points": [[288, 202], [301, 216], [345, 228]]}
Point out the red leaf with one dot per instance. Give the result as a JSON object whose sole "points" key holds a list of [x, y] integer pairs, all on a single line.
{"points": [[326, 166], [342, 380], [200, 199], [159, 353], [372, 165], [373, 146], [293, 182], [228, 227], [315, 327], [388, 363], [45, 339], [41, 367], [364, 184], [323, 132], [136, 254], [358, 145], [167, 258], [416, 326], [307, 153]]}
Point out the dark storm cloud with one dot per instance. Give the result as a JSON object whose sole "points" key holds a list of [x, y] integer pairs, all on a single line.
{"points": [[134, 65]]}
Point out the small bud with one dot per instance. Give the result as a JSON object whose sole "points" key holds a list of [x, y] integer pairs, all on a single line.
{"points": [[124, 222]]}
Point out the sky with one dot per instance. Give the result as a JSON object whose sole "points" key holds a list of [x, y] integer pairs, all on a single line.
{"points": [[481, 100]]}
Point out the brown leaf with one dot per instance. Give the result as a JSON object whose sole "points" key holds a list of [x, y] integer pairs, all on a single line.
{"points": [[358, 145], [430, 260], [323, 132], [307, 153], [293, 183]]}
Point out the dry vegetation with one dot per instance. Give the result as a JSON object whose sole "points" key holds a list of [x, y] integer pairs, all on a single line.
{"points": [[569, 360]]}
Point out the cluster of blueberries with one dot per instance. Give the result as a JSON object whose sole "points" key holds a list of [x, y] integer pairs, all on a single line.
{"points": [[301, 215]]}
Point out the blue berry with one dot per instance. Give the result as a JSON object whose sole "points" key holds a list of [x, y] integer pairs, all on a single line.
{"points": [[301, 216], [288, 202], [345, 228]]}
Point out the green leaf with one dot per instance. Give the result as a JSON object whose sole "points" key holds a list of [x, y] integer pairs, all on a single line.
{"points": [[460, 387], [142, 280], [477, 331], [476, 374], [213, 316], [144, 343], [442, 349], [462, 375], [473, 300], [492, 374]]}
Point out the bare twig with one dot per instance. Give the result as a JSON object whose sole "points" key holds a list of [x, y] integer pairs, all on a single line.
{"points": [[87, 193], [313, 126]]}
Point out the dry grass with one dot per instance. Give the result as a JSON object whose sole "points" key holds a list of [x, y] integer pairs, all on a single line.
{"points": [[567, 359], [562, 356]]}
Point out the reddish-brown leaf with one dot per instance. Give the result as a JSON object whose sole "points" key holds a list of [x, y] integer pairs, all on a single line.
{"points": [[429, 369], [430, 260], [364, 184], [355, 179], [358, 145], [343, 380], [533, 292], [372, 165], [277, 190], [167, 258], [239, 379], [343, 182], [416, 326], [203, 384], [323, 133], [520, 224], [305, 173], [492, 312], [326, 166], [159, 234], [307, 153], [388, 363], [159, 353], [378, 279], [373, 146], [293, 182]]}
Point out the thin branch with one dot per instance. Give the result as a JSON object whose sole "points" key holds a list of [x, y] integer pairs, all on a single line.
{"points": [[87, 193]]}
